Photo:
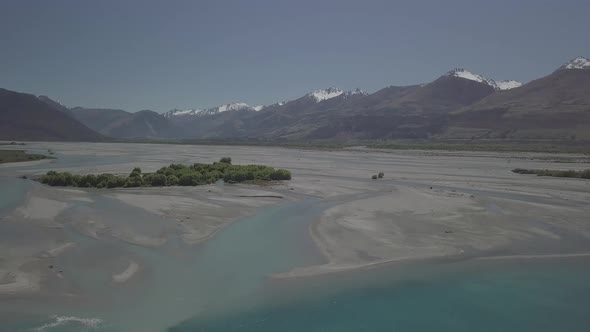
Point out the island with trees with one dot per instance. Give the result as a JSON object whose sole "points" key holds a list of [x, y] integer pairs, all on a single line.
{"points": [[173, 175], [13, 156]]}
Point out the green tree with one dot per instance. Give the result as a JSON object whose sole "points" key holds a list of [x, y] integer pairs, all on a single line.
{"points": [[136, 172], [188, 180], [171, 180], [154, 180], [133, 181]]}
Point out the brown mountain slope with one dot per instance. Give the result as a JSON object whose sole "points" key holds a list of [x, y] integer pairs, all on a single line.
{"points": [[122, 124], [393, 112], [26, 117], [554, 107], [408, 112]]}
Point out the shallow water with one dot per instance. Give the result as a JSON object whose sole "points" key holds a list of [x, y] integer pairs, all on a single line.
{"points": [[469, 296], [224, 274], [12, 192]]}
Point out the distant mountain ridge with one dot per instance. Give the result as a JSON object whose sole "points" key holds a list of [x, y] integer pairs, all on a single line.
{"points": [[458, 104], [124, 125]]}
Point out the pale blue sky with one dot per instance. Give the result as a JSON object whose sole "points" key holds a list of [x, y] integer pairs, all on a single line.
{"points": [[161, 55]]}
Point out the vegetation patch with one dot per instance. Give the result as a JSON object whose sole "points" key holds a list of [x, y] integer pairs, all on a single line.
{"points": [[584, 174], [491, 145], [173, 175], [12, 156], [378, 176]]}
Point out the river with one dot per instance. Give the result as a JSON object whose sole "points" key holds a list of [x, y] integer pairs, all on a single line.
{"points": [[225, 283]]}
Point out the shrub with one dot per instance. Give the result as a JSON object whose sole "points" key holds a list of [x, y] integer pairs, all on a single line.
{"points": [[525, 171], [585, 174], [136, 172], [225, 160], [154, 179], [133, 181], [188, 180], [177, 167], [381, 175], [88, 181], [374, 177], [171, 180], [281, 174]]}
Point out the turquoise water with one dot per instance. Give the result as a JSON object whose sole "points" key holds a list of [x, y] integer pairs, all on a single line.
{"points": [[531, 296], [12, 192], [224, 274]]}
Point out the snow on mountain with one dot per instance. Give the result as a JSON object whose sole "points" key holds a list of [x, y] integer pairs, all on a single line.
{"points": [[232, 107], [209, 111], [258, 107], [507, 84], [56, 101], [462, 73], [332, 92], [356, 91], [177, 112], [577, 63], [497, 85], [325, 94], [280, 103]]}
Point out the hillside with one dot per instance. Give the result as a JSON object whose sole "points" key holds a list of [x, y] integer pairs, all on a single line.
{"points": [[26, 117], [121, 124], [556, 106]]}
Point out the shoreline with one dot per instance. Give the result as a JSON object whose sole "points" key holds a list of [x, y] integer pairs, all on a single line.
{"points": [[23, 283], [327, 269], [350, 235]]}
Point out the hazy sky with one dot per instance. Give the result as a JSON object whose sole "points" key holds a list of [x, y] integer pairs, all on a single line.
{"points": [[161, 55]]}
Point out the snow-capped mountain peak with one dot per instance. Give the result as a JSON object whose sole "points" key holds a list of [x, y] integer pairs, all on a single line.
{"points": [[497, 85], [258, 107], [356, 91], [325, 94], [177, 112], [232, 107], [462, 73], [577, 63], [332, 92], [209, 111], [507, 84]]}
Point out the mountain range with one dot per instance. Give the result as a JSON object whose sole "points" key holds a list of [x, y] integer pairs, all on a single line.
{"points": [[458, 104]]}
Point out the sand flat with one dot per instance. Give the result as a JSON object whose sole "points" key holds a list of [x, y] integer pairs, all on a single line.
{"points": [[17, 282], [126, 274]]}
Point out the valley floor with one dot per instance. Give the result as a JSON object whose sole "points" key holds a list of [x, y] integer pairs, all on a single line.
{"points": [[429, 205]]}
